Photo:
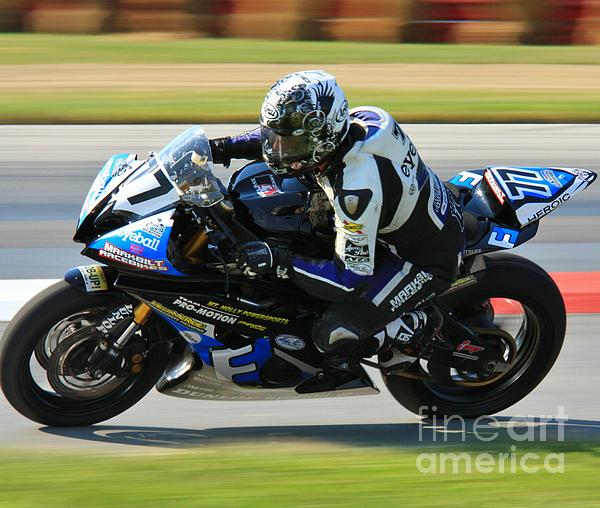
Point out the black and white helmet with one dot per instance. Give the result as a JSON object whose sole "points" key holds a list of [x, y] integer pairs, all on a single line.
{"points": [[303, 119]]}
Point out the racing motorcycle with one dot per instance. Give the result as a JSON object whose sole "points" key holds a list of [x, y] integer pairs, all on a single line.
{"points": [[166, 305]]}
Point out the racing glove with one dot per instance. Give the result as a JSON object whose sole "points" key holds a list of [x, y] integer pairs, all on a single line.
{"points": [[256, 259], [220, 152]]}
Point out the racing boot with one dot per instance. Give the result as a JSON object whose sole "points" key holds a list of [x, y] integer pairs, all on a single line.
{"points": [[339, 373], [341, 367], [403, 336]]}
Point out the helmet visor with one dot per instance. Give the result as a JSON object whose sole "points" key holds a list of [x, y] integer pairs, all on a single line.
{"points": [[286, 147]]}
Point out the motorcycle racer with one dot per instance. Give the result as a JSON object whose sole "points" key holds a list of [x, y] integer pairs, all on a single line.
{"points": [[399, 230]]}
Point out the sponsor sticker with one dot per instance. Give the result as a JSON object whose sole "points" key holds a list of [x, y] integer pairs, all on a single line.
{"points": [[500, 196], [290, 342], [361, 268], [467, 350], [584, 174], [462, 283], [191, 337], [353, 227], [248, 313], [140, 239], [226, 314], [265, 185], [352, 249], [201, 310], [410, 289], [120, 168], [192, 323], [356, 259], [548, 208], [109, 251], [468, 347], [342, 112], [550, 177], [93, 278], [357, 239], [114, 318], [136, 249], [440, 198], [155, 228]]}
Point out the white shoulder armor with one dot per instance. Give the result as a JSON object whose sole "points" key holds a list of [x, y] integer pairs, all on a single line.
{"points": [[384, 137]]}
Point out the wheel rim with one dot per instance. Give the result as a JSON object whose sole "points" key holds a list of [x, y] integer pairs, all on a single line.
{"points": [[523, 324], [67, 379], [71, 399], [64, 329]]}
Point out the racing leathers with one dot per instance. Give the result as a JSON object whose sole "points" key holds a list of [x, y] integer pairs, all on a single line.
{"points": [[398, 235]]}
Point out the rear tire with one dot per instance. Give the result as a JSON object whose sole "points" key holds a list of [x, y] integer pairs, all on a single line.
{"points": [[519, 279], [31, 325]]}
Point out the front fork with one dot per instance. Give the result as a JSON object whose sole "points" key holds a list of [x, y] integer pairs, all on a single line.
{"points": [[108, 352]]}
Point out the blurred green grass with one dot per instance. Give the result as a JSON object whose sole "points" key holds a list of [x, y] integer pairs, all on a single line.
{"points": [[235, 105], [306, 474], [36, 104], [56, 49]]}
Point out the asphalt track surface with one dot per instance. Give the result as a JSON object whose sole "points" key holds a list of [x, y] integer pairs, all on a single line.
{"points": [[46, 171]]}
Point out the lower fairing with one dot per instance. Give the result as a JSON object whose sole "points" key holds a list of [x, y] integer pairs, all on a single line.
{"points": [[188, 377]]}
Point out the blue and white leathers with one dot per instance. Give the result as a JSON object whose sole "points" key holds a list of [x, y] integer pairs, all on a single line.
{"points": [[383, 196]]}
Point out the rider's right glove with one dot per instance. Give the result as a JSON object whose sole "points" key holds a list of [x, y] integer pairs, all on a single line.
{"points": [[220, 152], [255, 259]]}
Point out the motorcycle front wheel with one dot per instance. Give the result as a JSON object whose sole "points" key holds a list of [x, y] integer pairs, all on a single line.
{"points": [[43, 357]]}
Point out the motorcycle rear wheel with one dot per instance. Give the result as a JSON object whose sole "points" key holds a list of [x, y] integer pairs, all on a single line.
{"points": [[21, 369], [541, 334]]}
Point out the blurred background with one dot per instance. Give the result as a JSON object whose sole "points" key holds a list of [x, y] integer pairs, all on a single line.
{"points": [[115, 64], [456, 21]]}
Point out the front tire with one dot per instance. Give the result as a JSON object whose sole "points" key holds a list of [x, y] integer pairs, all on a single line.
{"points": [[517, 279], [20, 349]]}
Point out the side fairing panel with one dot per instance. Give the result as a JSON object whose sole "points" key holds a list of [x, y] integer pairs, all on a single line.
{"points": [[141, 245], [239, 366]]}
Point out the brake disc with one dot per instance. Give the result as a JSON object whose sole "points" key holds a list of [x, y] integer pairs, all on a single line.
{"points": [[70, 375]]}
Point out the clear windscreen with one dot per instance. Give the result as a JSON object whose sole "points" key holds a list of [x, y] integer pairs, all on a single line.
{"points": [[188, 162]]}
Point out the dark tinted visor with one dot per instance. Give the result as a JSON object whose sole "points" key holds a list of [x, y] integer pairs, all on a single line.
{"points": [[278, 146]]}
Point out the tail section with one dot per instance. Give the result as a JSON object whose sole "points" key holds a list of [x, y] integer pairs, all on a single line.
{"points": [[504, 204]]}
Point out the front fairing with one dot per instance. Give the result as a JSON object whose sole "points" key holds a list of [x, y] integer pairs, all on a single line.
{"points": [[128, 190], [130, 200]]}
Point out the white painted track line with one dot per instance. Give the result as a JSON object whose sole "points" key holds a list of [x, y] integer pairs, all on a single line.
{"points": [[15, 293]]}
